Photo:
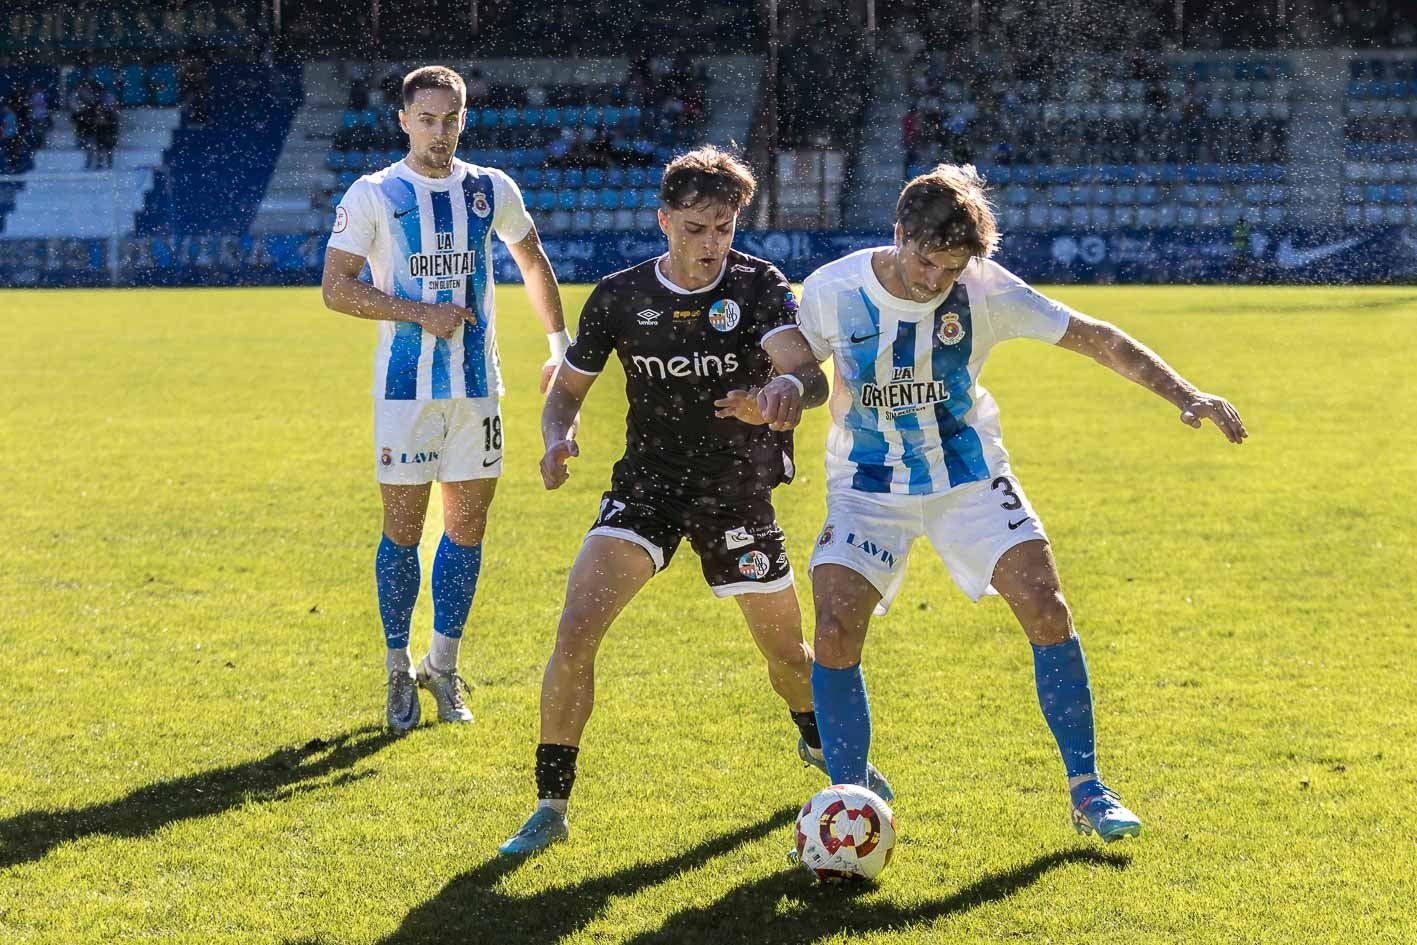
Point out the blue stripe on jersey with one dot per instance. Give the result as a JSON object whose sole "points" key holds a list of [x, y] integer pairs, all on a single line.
{"points": [[868, 446], [474, 335], [908, 424], [964, 454], [401, 382], [443, 225]]}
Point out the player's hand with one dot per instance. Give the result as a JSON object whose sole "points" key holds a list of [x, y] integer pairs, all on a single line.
{"points": [[548, 373], [739, 404], [780, 403], [553, 465], [1219, 412], [444, 318]]}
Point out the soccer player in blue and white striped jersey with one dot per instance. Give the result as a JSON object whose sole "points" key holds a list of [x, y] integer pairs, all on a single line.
{"points": [[916, 449], [424, 226]]}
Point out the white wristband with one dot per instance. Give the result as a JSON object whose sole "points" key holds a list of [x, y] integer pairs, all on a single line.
{"points": [[801, 388], [558, 342]]}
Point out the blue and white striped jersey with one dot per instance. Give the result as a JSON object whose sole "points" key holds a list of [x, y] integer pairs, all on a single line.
{"points": [[430, 239], [908, 414]]}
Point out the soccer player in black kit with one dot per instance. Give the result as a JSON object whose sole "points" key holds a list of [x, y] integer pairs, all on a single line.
{"points": [[717, 375]]}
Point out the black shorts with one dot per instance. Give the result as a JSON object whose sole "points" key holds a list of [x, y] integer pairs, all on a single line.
{"points": [[739, 545]]}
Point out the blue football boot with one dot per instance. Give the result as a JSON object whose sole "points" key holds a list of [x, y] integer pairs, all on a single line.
{"points": [[545, 826], [876, 782], [1097, 808]]}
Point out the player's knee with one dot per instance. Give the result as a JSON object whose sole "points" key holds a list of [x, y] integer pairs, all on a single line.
{"points": [[403, 533], [1046, 618], [793, 655], [837, 644], [578, 635]]}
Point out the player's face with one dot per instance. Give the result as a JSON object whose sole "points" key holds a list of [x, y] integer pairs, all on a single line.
{"points": [[699, 238], [433, 121], [928, 274]]}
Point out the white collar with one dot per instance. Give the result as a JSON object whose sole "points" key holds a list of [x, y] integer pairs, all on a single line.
{"points": [[675, 287]]}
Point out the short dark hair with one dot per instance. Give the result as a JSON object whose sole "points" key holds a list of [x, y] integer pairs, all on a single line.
{"points": [[947, 208], [433, 77], [707, 175]]}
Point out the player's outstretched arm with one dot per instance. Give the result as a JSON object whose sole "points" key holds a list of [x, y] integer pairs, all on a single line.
{"points": [[344, 292], [545, 296], [800, 385], [558, 424], [1111, 347]]}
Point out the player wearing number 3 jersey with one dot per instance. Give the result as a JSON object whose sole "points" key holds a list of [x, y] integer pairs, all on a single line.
{"points": [[915, 449]]}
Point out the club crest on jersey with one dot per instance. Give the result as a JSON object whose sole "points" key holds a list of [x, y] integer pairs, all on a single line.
{"points": [[386, 457], [341, 219], [724, 315], [828, 536], [480, 206], [951, 330], [754, 565]]}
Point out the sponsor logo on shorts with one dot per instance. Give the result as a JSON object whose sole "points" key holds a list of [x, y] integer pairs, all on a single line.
{"points": [[480, 205], [386, 457], [870, 549], [754, 565], [737, 538], [647, 316], [431, 456], [724, 315], [951, 329], [828, 536], [1014, 525]]}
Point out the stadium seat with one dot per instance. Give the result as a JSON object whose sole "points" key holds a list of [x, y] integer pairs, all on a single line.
{"points": [[546, 200], [553, 177], [135, 86], [531, 177], [566, 200], [615, 177], [573, 177], [609, 199], [586, 199], [594, 177]]}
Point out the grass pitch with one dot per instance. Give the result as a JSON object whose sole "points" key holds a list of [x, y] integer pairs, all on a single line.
{"points": [[193, 679]]}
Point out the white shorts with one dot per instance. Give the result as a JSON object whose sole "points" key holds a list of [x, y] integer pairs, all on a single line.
{"points": [[970, 528], [418, 441]]}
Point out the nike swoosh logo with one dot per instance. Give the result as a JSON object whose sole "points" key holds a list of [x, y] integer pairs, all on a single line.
{"points": [[1013, 525], [1290, 258], [403, 213], [491, 462], [856, 341]]}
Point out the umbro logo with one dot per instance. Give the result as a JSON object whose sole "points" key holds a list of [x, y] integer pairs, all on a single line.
{"points": [[856, 340], [648, 317], [403, 213], [739, 267]]}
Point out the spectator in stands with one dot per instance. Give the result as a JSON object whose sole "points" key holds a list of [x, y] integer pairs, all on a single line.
{"points": [[85, 118], [105, 131], [40, 120], [194, 88]]}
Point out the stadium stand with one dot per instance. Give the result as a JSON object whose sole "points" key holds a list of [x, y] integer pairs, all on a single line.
{"points": [[1380, 142]]}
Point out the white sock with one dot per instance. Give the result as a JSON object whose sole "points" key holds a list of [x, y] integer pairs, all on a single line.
{"points": [[443, 654], [398, 658], [555, 803]]}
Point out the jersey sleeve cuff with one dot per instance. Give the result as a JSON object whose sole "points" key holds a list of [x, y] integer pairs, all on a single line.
{"points": [[579, 370], [779, 329]]}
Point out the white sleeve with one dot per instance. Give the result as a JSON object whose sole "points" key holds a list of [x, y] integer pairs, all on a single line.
{"points": [[812, 319], [509, 218], [357, 220], [1016, 310]]}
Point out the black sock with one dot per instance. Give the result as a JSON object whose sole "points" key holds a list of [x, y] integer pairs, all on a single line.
{"points": [[806, 723], [555, 771]]}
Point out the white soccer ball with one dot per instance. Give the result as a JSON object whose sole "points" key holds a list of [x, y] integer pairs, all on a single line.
{"points": [[845, 832]]}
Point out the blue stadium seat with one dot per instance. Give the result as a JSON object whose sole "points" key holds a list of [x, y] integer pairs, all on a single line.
{"points": [[615, 177], [610, 199], [573, 177], [594, 177], [587, 199], [335, 160], [571, 117], [553, 177], [347, 179], [566, 200], [630, 200], [612, 117], [487, 118], [1394, 193], [135, 86], [551, 118], [106, 76], [531, 118], [531, 177], [649, 197], [546, 200], [594, 117], [636, 177], [509, 117], [163, 79], [350, 119]]}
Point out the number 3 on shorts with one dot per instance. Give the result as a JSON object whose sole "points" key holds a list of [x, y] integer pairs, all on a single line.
{"points": [[1011, 501]]}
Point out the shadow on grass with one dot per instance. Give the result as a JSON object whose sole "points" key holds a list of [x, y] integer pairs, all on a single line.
{"points": [[786, 908], [30, 835]]}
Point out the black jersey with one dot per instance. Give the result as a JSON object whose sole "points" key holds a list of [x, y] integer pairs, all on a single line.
{"points": [[682, 351]]}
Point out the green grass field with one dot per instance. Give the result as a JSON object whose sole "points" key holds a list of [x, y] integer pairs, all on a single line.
{"points": [[192, 665]]}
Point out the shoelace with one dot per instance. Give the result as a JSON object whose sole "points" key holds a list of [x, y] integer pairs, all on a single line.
{"points": [[453, 695]]}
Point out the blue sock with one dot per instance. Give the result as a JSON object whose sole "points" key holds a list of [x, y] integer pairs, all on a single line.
{"points": [[455, 570], [397, 574], [844, 720], [1065, 695]]}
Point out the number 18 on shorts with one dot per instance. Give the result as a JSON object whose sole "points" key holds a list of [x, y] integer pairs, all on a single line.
{"points": [[451, 440]]}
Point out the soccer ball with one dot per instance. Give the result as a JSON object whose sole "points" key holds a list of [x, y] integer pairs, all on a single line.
{"points": [[845, 832]]}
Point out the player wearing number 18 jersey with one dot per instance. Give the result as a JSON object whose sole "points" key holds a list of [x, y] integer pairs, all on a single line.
{"points": [[915, 449], [424, 227], [700, 331]]}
